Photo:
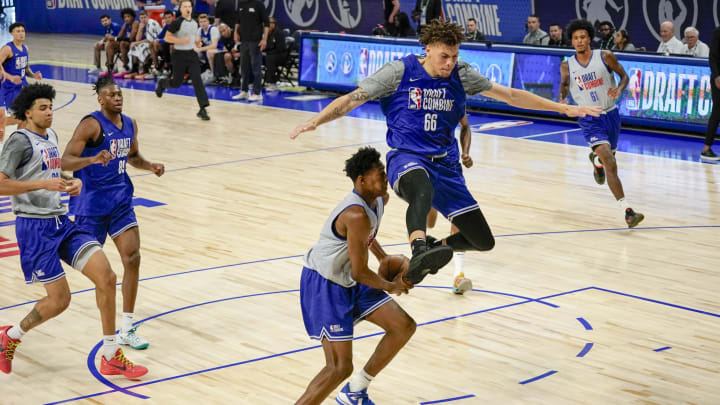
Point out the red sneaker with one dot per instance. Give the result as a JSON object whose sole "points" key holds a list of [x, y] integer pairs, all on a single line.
{"points": [[119, 364], [7, 349]]}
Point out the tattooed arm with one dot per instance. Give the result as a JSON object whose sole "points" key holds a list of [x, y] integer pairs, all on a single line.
{"points": [[338, 108]]}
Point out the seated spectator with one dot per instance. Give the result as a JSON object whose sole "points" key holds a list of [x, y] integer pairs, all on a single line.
{"points": [[142, 53], [557, 36], [606, 31], [112, 29], [402, 26], [207, 41], [622, 41], [535, 36], [473, 34], [163, 48], [276, 54], [227, 60], [127, 33], [669, 43], [693, 45]]}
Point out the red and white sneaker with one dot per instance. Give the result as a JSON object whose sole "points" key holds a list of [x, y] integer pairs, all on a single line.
{"points": [[119, 364], [7, 349]]}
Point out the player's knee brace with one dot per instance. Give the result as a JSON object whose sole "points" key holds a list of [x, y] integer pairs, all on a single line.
{"points": [[416, 189], [475, 233]]}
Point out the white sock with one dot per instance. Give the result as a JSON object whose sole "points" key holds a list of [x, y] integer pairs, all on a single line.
{"points": [[110, 346], [127, 322], [360, 381], [459, 260], [16, 332], [623, 204]]}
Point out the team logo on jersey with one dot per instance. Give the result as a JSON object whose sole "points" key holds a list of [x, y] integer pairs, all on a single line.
{"points": [[579, 83], [588, 81], [344, 14], [415, 98], [51, 4], [347, 63], [682, 13], [331, 62], [114, 148], [302, 12], [50, 158], [597, 11]]}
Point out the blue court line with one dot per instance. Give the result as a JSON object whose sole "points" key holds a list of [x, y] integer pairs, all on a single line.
{"points": [[585, 323], [549, 373], [125, 390], [494, 292], [662, 349], [585, 350], [439, 401], [398, 244], [658, 302], [74, 96]]}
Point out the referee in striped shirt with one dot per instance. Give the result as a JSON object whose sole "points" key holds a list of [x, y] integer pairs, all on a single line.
{"points": [[182, 33]]}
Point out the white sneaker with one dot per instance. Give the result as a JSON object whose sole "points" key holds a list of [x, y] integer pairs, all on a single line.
{"points": [[241, 96], [255, 97], [133, 340], [272, 87], [94, 71]]}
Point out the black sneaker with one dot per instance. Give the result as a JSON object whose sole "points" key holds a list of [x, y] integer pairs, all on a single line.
{"points": [[633, 218], [598, 172], [709, 155], [159, 89], [432, 242], [203, 115], [428, 261]]}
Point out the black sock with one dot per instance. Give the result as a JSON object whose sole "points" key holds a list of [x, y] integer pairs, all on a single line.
{"points": [[418, 246]]}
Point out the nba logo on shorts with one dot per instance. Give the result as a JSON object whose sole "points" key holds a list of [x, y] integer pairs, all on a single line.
{"points": [[363, 64], [634, 89], [415, 100], [50, 4], [114, 148]]}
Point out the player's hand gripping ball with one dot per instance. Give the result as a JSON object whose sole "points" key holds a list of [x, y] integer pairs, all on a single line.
{"points": [[393, 266]]}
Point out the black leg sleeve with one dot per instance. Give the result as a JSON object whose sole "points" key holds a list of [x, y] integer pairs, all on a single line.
{"points": [[416, 189], [714, 119], [475, 233]]}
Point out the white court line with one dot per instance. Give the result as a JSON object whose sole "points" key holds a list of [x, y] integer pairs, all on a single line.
{"points": [[549, 133]]}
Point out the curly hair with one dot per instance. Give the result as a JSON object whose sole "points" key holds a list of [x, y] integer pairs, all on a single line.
{"points": [[444, 31], [127, 11], [364, 160], [579, 24], [25, 100], [103, 82]]}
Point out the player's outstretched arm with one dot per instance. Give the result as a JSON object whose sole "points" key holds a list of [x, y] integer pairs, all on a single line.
{"points": [[87, 130], [338, 108], [525, 99]]}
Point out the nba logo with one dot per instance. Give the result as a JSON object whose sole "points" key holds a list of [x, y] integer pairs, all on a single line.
{"points": [[50, 4], [363, 64], [113, 148], [579, 82], [634, 88], [45, 159], [415, 100]]}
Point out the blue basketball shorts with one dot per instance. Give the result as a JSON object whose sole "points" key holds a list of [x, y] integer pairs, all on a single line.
{"points": [[451, 195], [118, 221], [43, 242], [7, 96], [602, 129], [330, 311]]}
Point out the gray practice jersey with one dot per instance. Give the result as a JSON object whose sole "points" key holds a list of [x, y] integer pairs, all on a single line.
{"points": [[329, 256], [589, 84], [28, 156], [386, 80]]}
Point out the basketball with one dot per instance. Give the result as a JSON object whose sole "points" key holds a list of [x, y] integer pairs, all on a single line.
{"points": [[392, 265]]}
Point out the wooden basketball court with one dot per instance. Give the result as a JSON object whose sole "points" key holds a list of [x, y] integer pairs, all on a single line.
{"points": [[570, 307]]}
